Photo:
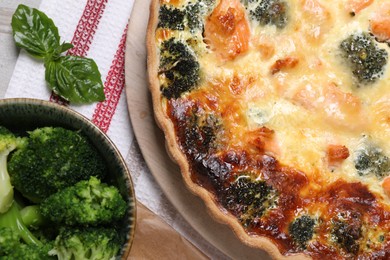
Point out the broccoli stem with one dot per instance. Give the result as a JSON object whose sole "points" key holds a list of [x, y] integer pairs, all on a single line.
{"points": [[32, 217], [13, 219], [6, 189]]}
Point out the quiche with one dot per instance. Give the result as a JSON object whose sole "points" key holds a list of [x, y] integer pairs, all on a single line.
{"points": [[278, 114]]}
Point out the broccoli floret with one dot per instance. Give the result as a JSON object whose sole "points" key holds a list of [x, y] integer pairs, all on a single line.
{"points": [[30, 252], [366, 59], [46, 233], [9, 240], [302, 230], [195, 13], [13, 220], [346, 235], [171, 18], [179, 67], [86, 243], [16, 240], [249, 199], [172, 51], [53, 158], [197, 132], [25, 233], [370, 160], [191, 16], [8, 143], [200, 131], [194, 17], [12, 248], [268, 12], [86, 203], [208, 4]]}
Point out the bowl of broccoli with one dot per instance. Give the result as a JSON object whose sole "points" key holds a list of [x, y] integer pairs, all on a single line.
{"points": [[65, 190]]}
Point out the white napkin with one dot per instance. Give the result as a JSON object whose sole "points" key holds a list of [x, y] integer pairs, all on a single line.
{"points": [[97, 29]]}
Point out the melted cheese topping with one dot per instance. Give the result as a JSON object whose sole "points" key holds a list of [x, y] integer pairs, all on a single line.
{"points": [[316, 103], [287, 109]]}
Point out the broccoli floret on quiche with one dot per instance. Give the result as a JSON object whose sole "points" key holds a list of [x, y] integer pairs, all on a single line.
{"points": [[190, 16], [366, 59], [268, 12], [302, 230], [370, 160], [207, 3], [201, 132], [198, 131], [346, 235], [179, 68], [194, 16], [249, 199], [196, 12], [171, 18]]}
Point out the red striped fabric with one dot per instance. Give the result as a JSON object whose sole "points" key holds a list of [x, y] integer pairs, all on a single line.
{"points": [[114, 84], [83, 36], [113, 88], [87, 26]]}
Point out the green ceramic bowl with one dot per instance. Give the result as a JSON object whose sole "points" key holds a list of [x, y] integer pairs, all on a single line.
{"points": [[21, 114]]}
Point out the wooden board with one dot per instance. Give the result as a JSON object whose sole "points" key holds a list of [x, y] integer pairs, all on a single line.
{"points": [[152, 145]]}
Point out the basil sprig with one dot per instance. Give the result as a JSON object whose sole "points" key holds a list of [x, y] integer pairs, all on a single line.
{"points": [[75, 79]]}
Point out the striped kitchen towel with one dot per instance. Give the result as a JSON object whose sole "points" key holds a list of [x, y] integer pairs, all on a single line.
{"points": [[97, 29]]}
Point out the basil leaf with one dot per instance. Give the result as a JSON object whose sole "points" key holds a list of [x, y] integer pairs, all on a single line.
{"points": [[76, 79], [34, 32], [62, 48]]}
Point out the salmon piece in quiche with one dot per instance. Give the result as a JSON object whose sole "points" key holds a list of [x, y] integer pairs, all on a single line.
{"points": [[380, 22], [355, 6], [283, 64], [339, 108], [381, 113], [386, 186], [171, 2], [336, 154], [227, 29], [317, 19]]}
